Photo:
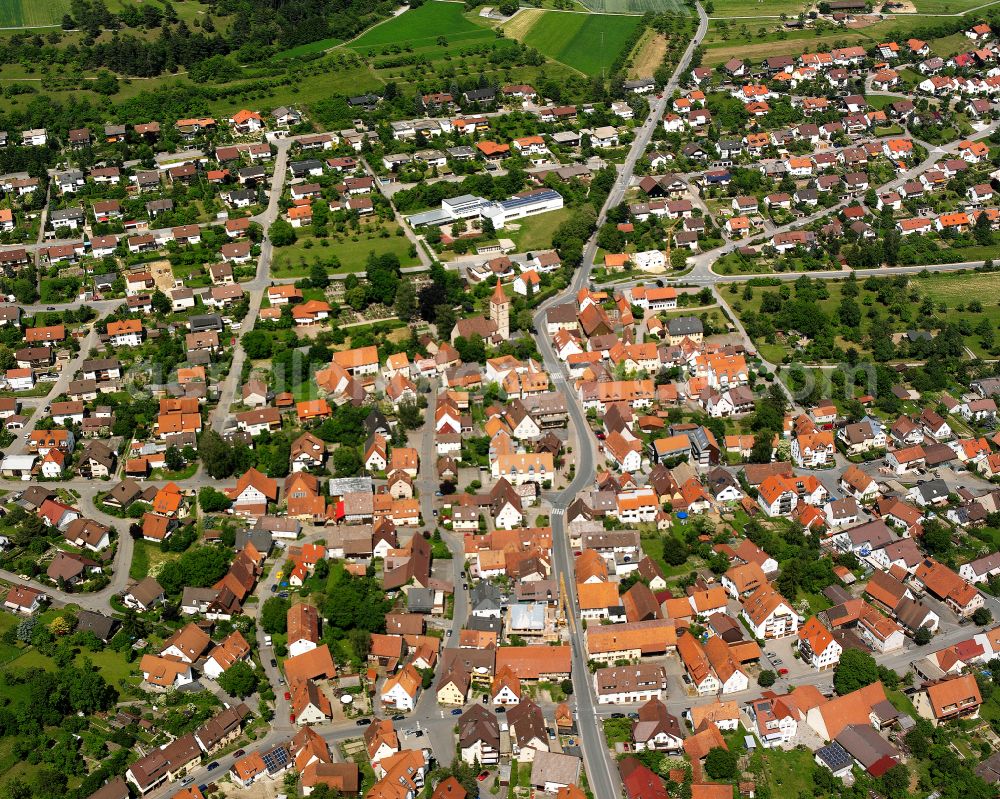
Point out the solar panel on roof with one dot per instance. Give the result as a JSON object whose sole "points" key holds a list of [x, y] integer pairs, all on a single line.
{"points": [[276, 759], [835, 756]]}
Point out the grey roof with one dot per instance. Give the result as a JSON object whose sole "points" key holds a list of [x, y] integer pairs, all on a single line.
{"points": [[420, 600], [260, 538], [933, 490], [204, 322], [101, 626], [865, 745], [485, 596], [685, 326]]}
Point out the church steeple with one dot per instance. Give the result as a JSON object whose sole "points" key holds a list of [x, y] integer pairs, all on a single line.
{"points": [[500, 311]]}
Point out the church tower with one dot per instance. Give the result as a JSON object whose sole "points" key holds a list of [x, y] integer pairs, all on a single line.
{"points": [[500, 311]]}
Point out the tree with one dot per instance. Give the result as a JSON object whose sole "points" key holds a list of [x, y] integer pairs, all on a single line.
{"points": [[936, 538], [318, 276], [216, 454], [346, 462], [982, 617], [762, 447], [444, 320], [281, 233], [675, 551], [720, 764], [199, 567], [173, 459], [982, 231], [922, 637], [239, 680], [567, 687], [766, 678], [409, 414], [406, 301], [257, 344], [274, 615], [896, 781], [160, 302], [212, 501], [856, 669], [919, 737]]}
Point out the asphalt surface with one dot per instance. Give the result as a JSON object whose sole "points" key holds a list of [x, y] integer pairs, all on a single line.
{"points": [[602, 773]]}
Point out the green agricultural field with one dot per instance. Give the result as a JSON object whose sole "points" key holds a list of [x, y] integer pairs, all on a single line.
{"points": [[755, 9], [309, 49], [423, 26], [636, 6], [32, 13], [587, 42]]}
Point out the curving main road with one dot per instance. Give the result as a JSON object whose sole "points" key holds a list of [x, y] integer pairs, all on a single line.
{"points": [[602, 773]]}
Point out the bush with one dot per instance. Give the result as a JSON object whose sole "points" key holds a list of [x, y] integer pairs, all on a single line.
{"points": [[720, 764]]}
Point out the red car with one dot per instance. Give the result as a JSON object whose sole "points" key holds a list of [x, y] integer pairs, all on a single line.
{"points": [[782, 672], [291, 717], [483, 776], [288, 694]]}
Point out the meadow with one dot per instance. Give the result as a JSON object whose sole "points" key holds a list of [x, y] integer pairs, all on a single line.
{"points": [[32, 13], [421, 27], [754, 9], [952, 289], [296, 259], [949, 6], [589, 43]]}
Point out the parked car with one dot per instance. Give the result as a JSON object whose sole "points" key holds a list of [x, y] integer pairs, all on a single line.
{"points": [[274, 663], [213, 765], [288, 695], [363, 722], [239, 753], [456, 711], [483, 776], [399, 717]]}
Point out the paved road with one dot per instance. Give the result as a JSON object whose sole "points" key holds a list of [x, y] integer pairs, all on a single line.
{"points": [[602, 774]]}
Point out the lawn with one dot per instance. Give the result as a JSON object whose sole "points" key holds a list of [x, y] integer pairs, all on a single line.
{"points": [[296, 259], [587, 42], [535, 232], [789, 773], [949, 45], [32, 13], [147, 558], [423, 26]]}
